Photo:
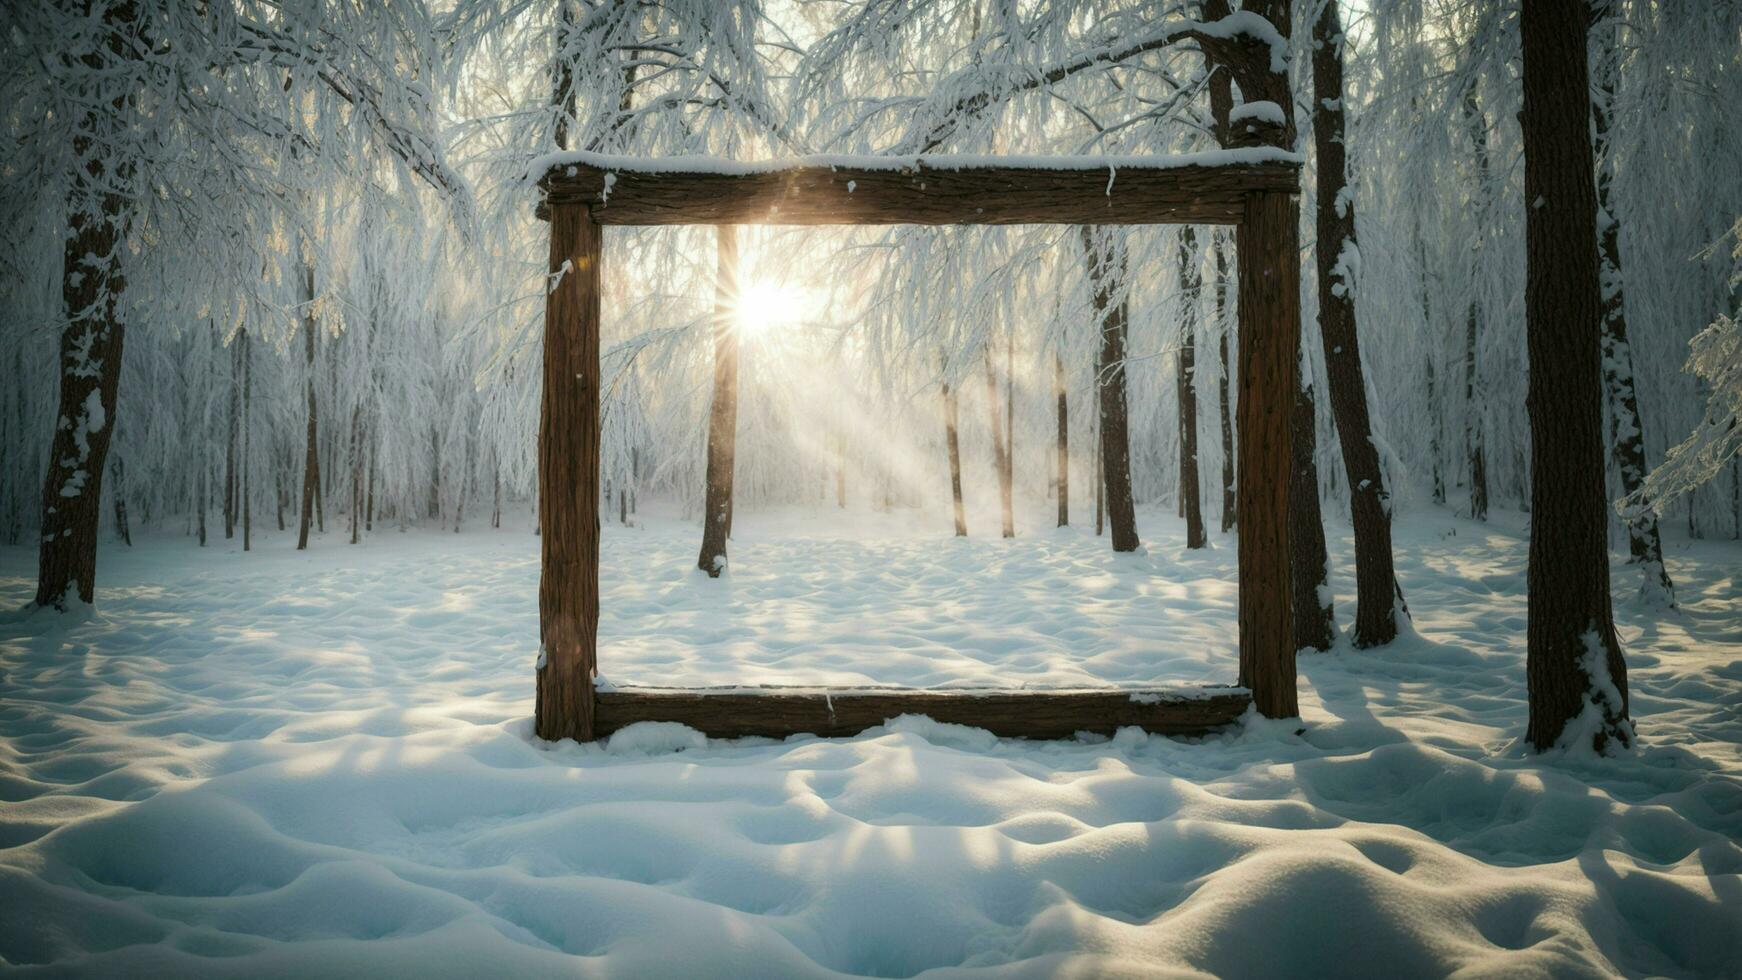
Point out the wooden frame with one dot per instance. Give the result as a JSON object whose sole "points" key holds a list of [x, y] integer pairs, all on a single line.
{"points": [[1253, 189]]}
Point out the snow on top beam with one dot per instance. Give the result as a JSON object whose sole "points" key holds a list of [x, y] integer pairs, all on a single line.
{"points": [[1198, 188]]}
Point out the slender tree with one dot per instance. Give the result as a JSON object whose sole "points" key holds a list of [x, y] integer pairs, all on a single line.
{"points": [[1106, 267], [1190, 282], [311, 455], [1064, 440], [1223, 329], [1475, 429], [723, 414], [952, 444], [1000, 447], [1577, 676], [1378, 598], [1626, 430]]}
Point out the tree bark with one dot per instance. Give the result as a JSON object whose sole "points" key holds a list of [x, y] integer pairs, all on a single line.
{"points": [[1000, 448], [90, 349], [1190, 282], [1064, 441], [120, 493], [311, 461], [1378, 597], [723, 412], [1475, 439], [1577, 676], [1107, 278], [1626, 430], [952, 413], [568, 481]]}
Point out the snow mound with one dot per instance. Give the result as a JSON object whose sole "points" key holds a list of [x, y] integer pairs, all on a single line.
{"points": [[241, 769]]}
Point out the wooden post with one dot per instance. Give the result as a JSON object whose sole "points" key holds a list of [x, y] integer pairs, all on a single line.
{"points": [[568, 480], [1269, 348]]}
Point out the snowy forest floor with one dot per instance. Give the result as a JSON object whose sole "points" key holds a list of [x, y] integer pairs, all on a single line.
{"points": [[284, 764]]}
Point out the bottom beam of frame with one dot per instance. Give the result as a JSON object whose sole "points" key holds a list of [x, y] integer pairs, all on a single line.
{"points": [[777, 712]]}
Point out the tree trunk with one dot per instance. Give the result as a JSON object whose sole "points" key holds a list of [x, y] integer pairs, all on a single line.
{"points": [[1106, 268], [369, 504], [1000, 448], [1315, 621], [841, 472], [1377, 596], [120, 493], [1064, 441], [230, 482], [1190, 282], [311, 462], [1626, 431], [952, 413], [1577, 676], [1228, 505], [356, 473], [634, 476], [723, 413], [90, 352], [247, 437], [1475, 440], [1100, 483], [568, 481]]}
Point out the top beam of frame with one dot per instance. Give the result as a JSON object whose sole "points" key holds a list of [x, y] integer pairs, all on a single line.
{"points": [[1198, 188]]}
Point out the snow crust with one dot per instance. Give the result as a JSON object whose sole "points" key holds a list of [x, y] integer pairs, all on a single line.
{"points": [[322, 764], [678, 164]]}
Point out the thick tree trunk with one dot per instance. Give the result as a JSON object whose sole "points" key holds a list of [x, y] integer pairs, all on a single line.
{"points": [[1626, 431], [1577, 676], [723, 412], [568, 481], [1064, 440], [311, 461], [1475, 438], [1315, 621], [952, 420], [1000, 448], [1223, 327], [90, 354], [1378, 597], [1106, 267], [1190, 282]]}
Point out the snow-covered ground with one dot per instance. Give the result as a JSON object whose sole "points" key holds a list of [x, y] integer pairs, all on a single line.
{"points": [[321, 764]]}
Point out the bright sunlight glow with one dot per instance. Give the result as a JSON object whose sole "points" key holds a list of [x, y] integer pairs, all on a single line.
{"points": [[763, 306]]}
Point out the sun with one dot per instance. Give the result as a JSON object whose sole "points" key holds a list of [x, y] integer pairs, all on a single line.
{"points": [[764, 306]]}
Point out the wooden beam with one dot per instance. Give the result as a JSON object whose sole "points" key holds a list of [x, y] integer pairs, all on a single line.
{"points": [[568, 480], [1269, 340], [778, 712], [938, 190]]}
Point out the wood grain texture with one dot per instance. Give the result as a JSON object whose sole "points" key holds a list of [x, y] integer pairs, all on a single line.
{"points": [[1269, 345], [981, 195], [568, 481], [778, 712]]}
